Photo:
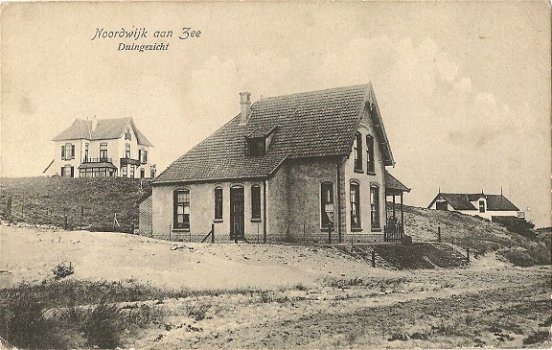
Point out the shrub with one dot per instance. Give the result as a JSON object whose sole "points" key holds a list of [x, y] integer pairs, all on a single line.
{"points": [[538, 337], [23, 325], [517, 225], [102, 326], [63, 270], [198, 311], [517, 256]]}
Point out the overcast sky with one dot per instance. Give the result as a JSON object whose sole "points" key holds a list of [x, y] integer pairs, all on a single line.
{"points": [[464, 88]]}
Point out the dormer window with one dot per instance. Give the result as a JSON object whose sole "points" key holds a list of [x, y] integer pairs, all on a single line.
{"points": [[257, 142], [481, 206], [256, 146]]}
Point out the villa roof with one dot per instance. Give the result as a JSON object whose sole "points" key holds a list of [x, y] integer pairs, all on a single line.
{"points": [[105, 129]]}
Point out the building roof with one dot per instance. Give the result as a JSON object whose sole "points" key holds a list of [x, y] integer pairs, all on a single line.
{"points": [[499, 202], [105, 129], [311, 124], [462, 201], [392, 183]]}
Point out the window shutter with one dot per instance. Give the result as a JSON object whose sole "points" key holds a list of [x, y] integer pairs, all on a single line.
{"points": [[62, 152], [72, 152]]}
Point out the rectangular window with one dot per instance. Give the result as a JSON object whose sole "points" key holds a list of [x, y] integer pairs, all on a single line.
{"points": [[103, 152], [128, 135], [326, 204], [370, 162], [481, 206], [256, 202], [357, 149], [218, 203], [86, 152], [124, 171], [182, 209], [127, 150], [69, 151], [68, 171], [132, 171], [62, 152], [140, 155], [374, 207], [144, 156], [355, 205]]}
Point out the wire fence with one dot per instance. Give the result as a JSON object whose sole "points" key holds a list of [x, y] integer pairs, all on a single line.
{"points": [[16, 209]]}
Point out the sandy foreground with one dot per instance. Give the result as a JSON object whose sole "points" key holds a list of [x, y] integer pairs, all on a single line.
{"points": [[490, 303]]}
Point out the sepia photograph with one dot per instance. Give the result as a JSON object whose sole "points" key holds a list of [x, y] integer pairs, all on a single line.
{"points": [[275, 175]]}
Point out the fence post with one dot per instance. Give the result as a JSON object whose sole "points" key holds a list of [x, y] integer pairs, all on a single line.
{"points": [[439, 233], [373, 258], [212, 233], [330, 233]]}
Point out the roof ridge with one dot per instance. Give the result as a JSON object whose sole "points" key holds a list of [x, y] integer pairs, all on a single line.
{"points": [[313, 91]]}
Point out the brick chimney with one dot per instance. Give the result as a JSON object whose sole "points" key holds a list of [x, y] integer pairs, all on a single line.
{"points": [[245, 103]]}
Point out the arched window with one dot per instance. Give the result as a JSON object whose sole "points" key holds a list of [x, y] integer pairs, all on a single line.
{"points": [[357, 150], [218, 203], [374, 206], [255, 202], [182, 209], [355, 204], [326, 204], [370, 162]]}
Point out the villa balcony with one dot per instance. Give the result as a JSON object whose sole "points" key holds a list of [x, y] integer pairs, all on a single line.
{"points": [[97, 160], [130, 161]]}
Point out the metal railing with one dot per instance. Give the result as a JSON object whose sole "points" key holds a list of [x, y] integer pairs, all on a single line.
{"points": [[97, 160]]}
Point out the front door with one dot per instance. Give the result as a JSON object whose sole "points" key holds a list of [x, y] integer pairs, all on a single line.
{"points": [[236, 212]]}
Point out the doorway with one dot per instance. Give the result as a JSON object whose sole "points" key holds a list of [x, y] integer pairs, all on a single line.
{"points": [[236, 212]]}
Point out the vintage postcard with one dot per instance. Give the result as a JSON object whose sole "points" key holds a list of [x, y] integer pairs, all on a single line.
{"points": [[282, 175]]}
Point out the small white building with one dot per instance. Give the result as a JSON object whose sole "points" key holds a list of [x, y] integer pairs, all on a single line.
{"points": [[480, 204], [102, 148]]}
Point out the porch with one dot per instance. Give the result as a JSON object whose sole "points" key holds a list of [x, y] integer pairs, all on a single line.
{"points": [[393, 229]]}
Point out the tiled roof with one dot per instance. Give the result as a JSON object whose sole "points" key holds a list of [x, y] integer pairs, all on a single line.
{"points": [[459, 201], [311, 124], [393, 183], [495, 202], [105, 129], [499, 202]]}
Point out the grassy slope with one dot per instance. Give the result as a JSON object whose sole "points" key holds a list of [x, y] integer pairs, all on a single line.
{"points": [[479, 235], [46, 200]]}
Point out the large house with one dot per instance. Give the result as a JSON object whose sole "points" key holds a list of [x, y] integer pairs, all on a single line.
{"points": [[102, 148], [285, 168], [480, 204]]}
